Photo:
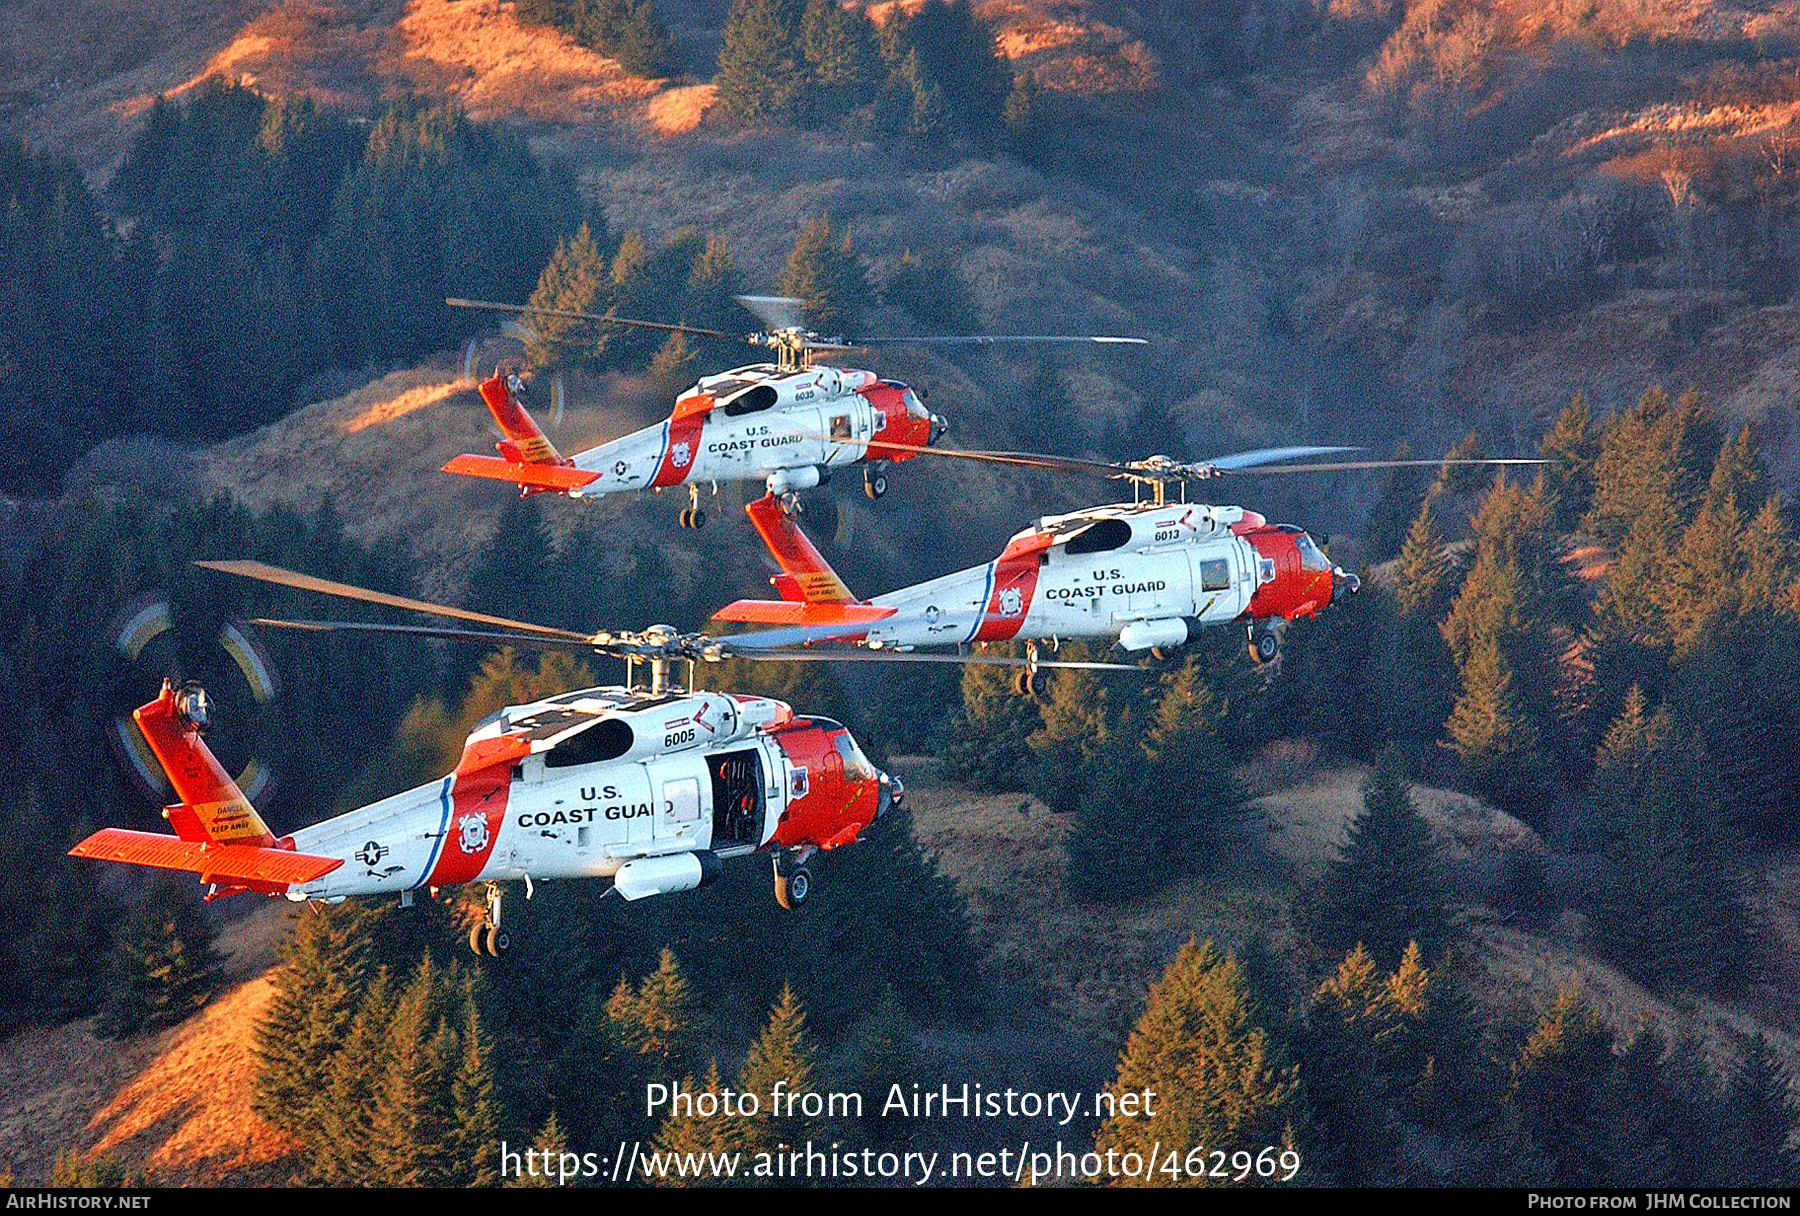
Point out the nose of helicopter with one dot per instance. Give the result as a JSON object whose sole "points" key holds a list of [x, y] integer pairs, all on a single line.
{"points": [[940, 426], [891, 795]]}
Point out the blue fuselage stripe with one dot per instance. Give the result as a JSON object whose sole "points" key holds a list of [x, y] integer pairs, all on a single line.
{"points": [[443, 831]]}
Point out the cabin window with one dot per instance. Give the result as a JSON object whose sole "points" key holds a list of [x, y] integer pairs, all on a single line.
{"points": [[855, 763], [607, 739], [1103, 537], [759, 398], [840, 426], [681, 800], [1215, 574]]}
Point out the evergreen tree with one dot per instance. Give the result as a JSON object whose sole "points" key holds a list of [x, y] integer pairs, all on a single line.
{"points": [[780, 1061], [762, 74], [577, 278], [1651, 466], [1347, 1058], [1396, 509], [549, 1146], [1761, 1115], [163, 966], [831, 280], [412, 1138], [1558, 1097], [947, 77], [654, 1022], [342, 1149], [437, 206], [1571, 445], [325, 966], [986, 743], [1217, 1075], [474, 1157], [841, 52], [1383, 889], [1664, 902], [686, 1133]]}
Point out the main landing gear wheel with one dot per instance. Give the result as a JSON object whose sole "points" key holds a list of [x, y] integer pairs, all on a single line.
{"points": [[875, 481], [1263, 645], [1028, 682], [793, 881], [486, 933]]}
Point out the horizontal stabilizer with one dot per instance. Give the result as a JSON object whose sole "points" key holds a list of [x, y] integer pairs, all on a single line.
{"points": [[213, 862], [787, 612], [542, 476]]}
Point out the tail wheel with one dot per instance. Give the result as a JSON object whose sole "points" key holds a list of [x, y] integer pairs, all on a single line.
{"points": [[792, 888], [498, 941]]}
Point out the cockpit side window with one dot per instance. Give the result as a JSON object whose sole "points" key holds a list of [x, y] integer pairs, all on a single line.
{"points": [[1310, 557], [1102, 537], [759, 398]]}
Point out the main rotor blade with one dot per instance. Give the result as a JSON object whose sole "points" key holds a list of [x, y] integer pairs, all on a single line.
{"points": [[1029, 460], [777, 312], [589, 316], [306, 582], [882, 656], [535, 640], [1000, 339], [1341, 465], [1245, 460]]}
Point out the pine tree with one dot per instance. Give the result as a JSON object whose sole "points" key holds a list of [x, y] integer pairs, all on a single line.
{"points": [[1217, 1076], [1360, 1063], [780, 1062], [985, 743], [841, 53], [1664, 902], [341, 1150], [830, 280], [762, 74], [1651, 466], [684, 1133], [655, 1021], [325, 965], [548, 1147], [1762, 1116], [163, 966], [1571, 445], [577, 278], [411, 1136], [1398, 506], [1557, 1097], [474, 1157], [1383, 889]]}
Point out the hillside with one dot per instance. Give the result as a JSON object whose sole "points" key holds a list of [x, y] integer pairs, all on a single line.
{"points": [[1068, 978]]}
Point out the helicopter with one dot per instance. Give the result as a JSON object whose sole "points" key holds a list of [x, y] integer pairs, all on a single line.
{"points": [[651, 787], [789, 423], [1148, 575]]}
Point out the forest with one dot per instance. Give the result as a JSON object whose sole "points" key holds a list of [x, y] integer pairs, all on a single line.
{"points": [[1602, 649]]}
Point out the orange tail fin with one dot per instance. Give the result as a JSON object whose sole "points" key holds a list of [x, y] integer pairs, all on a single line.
{"points": [[218, 834], [212, 808], [806, 577], [525, 442]]}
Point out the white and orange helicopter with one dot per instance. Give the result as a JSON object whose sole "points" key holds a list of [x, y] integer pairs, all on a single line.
{"points": [[788, 424], [1148, 574], [649, 787]]}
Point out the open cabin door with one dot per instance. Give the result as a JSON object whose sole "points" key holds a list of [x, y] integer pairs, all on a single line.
{"points": [[738, 799]]}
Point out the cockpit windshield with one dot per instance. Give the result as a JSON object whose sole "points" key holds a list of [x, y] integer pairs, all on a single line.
{"points": [[1310, 557], [855, 763]]}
